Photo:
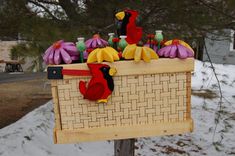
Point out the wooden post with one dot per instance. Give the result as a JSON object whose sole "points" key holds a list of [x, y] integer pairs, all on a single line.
{"points": [[124, 147]]}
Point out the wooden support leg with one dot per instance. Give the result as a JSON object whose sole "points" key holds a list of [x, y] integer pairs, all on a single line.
{"points": [[124, 147]]}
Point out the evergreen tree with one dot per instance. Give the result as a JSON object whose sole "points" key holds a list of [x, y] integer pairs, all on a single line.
{"points": [[42, 22]]}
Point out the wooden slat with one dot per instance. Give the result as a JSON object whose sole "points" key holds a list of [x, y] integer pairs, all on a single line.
{"points": [[135, 100], [107, 133], [149, 99], [124, 147], [188, 92], [11, 62], [163, 65], [54, 91]]}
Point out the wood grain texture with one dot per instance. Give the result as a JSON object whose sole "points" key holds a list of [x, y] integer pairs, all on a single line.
{"points": [[124, 147], [54, 91], [162, 65], [145, 99], [188, 87], [122, 132], [151, 99]]}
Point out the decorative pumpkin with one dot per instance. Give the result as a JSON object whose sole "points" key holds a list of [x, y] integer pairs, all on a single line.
{"points": [[176, 48], [60, 52], [96, 42]]}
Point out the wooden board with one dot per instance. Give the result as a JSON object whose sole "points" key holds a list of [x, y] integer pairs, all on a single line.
{"points": [[109, 133], [11, 62], [162, 65], [151, 99]]}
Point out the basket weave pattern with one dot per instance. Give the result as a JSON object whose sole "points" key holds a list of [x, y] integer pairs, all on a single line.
{"points": [[136, 100]]}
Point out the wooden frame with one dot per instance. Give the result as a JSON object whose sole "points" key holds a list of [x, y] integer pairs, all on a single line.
{"points": [[149, 99]]}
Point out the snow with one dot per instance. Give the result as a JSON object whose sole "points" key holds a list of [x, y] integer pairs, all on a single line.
{"points": [[32, 135]]}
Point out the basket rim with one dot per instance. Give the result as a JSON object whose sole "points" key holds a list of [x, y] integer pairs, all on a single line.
{"points": [[129, 67]]}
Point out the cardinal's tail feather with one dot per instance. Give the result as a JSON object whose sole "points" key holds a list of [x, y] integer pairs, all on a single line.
{"points": [[82, 87]]}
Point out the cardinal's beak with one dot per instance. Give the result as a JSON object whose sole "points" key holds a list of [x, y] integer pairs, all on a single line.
{"points": [[112, 71], [120, 15]]}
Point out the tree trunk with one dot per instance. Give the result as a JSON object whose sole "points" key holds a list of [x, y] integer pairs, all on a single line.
{"points": [[40, 67], [124, 147]]}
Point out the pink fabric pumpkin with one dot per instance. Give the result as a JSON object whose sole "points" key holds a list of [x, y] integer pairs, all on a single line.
{"points": [[96, 42], [60, 52], [176, 50]]}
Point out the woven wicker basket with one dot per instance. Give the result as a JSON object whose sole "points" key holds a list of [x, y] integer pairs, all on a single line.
{"points": [[149, 99]]}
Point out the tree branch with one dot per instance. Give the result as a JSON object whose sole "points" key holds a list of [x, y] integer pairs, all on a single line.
{"points": [[220, 91], [44, 8], [54, 2], [151, 11], [215, 9]]}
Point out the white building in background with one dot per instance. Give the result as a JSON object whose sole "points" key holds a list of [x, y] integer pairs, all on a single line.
{"points": [[232, 41], [221, 50], [5, 51], [5, 54]]}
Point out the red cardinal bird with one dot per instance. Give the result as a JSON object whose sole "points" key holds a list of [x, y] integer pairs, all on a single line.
{"points": [[127, 26], [101, 84]]}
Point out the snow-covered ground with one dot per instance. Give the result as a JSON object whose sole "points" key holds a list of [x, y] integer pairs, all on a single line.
{"points": [[32, 135]]}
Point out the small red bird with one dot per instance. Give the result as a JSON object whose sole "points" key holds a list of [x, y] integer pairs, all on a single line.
{"points": [[127, 26], [101, 84]]}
